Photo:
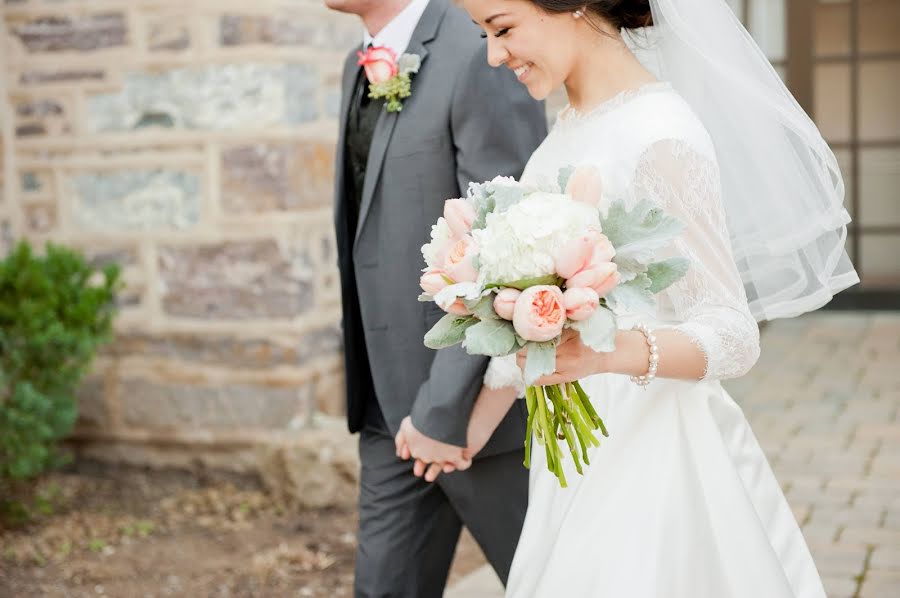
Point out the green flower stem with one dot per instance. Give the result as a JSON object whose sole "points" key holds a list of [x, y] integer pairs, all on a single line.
{"points": [[582, 430], [567, 431], [585, 417], [559, 424], [586, 403], [543, 425], [530, 402], [573, 418], [554, 461]]}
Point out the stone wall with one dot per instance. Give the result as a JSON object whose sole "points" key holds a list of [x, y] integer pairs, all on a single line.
{"points": [[190, 141]]}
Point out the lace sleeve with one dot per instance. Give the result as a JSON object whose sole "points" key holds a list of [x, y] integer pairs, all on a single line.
{"points": [[504, 372], [710, 300]]}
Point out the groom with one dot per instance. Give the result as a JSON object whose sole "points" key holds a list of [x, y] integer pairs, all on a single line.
{"points": [[463, 122]]}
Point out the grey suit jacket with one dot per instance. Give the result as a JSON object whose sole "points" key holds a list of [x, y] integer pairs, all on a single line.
{"points": [[464, 122]]}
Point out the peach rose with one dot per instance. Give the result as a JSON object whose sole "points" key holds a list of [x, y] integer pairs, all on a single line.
{"points": [[380, 64], [433, 281], [458, 262], [539, 313], [580, 303], [459, 215], [586, 185], [505, 303], [602, 278]]}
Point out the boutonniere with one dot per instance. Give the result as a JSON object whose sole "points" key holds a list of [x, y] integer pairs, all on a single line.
{"points": [[389, 78]]}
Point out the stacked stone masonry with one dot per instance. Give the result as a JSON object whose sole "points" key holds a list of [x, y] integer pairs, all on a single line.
{"points": [[190, 141]]}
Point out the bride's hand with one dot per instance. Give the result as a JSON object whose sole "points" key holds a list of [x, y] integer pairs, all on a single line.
{"points": [[574, 361]]}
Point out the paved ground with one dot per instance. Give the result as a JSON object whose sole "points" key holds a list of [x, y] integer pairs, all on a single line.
{"points": [[823, 401]]}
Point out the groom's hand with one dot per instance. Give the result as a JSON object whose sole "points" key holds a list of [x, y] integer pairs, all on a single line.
{"points": [[432, 456]]}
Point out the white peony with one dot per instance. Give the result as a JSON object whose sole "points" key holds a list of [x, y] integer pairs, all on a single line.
{"points": [[440, 236], [523, 241]]}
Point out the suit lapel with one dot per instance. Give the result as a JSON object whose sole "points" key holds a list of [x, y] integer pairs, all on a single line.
{"points": [[425, 32]]}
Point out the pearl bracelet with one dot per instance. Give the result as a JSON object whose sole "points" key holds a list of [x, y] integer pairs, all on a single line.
{"points": [[654, 356]]}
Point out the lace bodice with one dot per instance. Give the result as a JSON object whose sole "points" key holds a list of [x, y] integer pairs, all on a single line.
{"points": [[649, 145]]}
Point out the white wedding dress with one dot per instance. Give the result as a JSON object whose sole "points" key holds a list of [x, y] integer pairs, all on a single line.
{"points": [[679, 501]]}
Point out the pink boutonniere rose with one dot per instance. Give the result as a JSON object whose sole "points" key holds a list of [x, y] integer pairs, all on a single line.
{"points": [[390, 78]]}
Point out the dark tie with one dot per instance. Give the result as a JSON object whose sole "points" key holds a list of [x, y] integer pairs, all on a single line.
{"points": [[362, 118]]}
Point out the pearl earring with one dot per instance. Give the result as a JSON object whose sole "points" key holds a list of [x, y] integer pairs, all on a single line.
{"points": [[578, 14]]}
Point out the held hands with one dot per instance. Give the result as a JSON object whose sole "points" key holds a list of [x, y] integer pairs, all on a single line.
{"points": [[432, 456]]}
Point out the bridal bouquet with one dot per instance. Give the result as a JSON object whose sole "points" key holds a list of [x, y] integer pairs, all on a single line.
{"points": [[514, 266]]}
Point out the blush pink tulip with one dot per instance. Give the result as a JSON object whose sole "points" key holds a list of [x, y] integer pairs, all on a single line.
{"points": [[505, 303], [580, 303], [459, 215], [539, 314], [586, 185], [458, 263], [456, 307], [602, 278], [434, 281], [574, 256], [603, 251]]}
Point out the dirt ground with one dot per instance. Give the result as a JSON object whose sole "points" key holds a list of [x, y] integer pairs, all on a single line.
{"points": [[100, 530]]}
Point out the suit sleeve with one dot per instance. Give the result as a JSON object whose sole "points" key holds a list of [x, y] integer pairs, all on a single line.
{"points": [[496, 126]]}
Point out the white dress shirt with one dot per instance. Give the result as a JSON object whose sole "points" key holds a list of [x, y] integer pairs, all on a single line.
{"points": [[398, 32]]}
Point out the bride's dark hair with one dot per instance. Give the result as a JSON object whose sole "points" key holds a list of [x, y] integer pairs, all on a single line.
{"points": [[621, 14]]}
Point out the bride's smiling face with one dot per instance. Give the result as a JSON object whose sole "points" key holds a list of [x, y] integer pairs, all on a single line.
{"points": [[541, 48]]}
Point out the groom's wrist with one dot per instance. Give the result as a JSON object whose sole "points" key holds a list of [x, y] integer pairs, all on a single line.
{"points": [[426, 427]]}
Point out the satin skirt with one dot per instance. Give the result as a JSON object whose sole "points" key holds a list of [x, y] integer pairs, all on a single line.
{"points": [[678, 502]]}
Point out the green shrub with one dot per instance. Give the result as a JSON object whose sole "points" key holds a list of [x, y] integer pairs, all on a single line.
{"points": [[55, 311]]}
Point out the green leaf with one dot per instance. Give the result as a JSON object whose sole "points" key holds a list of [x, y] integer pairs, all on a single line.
{"points": [[667, 272], [599, 331], [484, 204], [505, 197], [565, 174], [633, 296], [638, 233], [541, 361], [448, 331], [550, 279], [628, 268], [483, 308], [495, 338]]}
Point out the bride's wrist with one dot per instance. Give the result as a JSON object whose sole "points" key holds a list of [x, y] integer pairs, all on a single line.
{"points": [[631, 355]]}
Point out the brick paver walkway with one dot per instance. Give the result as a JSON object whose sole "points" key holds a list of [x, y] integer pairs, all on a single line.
{"points": [[823, 401]]}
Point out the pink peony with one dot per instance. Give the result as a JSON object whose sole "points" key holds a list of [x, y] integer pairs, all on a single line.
{"points": [[580, 303], [602, 278], [380, 64], [459, 215], [539, 314], [505, 303], [458, 262], [586, 185]]}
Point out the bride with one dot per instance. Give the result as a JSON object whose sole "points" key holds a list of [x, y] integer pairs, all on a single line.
{"points": [[672, 101]]}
